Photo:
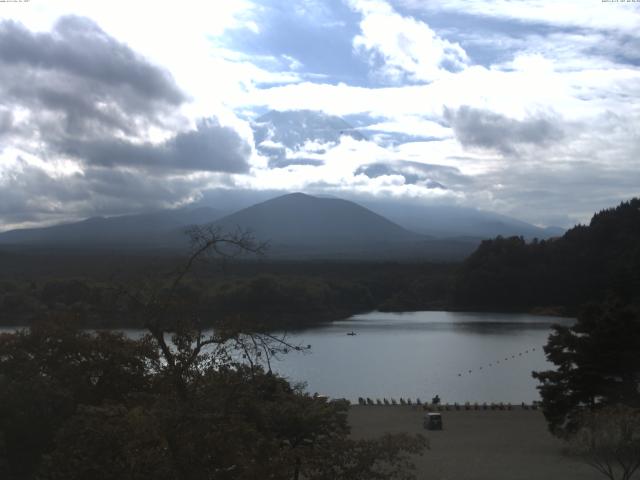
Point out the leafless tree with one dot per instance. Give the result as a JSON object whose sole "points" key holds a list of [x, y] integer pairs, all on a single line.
{"points": [[609, 441], [185, 345]]}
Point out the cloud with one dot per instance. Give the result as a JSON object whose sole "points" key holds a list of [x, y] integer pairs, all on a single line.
{"points": [[77, 46], [316, 35], [6, 121], [80, 75], [549, 193], [410, 125], [482, 128], [403, 48], [78, 81], [29, 195], [615, 16], [88, 126], [412, 172], [298, 137], [503, 103], [209, 147]]}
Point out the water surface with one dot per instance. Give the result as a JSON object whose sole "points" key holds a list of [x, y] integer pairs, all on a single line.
{"points": [[461, 356]]}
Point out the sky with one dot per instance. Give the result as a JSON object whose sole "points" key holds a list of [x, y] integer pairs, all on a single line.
{"points": [[527, 108]]}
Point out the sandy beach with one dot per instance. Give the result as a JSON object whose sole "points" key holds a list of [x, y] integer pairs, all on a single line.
{"points": [[477, 445]]}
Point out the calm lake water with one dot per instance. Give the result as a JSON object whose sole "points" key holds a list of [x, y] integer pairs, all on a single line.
{"points": [[481, 357], [476, 357]]}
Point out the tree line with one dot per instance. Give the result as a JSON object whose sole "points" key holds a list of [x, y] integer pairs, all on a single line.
{"points": [[588, 263], [275, 295]]}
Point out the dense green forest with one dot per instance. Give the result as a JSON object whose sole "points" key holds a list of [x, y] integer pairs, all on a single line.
{"points": [[272, 294], [589, 263]]}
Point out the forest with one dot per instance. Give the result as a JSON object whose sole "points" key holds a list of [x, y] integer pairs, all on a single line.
{"points": [[276, 294], [589, 263]]}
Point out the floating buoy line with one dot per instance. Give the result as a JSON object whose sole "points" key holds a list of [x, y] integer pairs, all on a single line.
{"points": [[497, 362]]}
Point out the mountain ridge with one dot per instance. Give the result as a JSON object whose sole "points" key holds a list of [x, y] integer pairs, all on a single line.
{"points": [[296, 225], [134, 230]]}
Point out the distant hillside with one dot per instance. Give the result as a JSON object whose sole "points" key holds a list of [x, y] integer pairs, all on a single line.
{"points": [[297, 226], [128, 231], [302, 220], [454, 221], [588, 263], [303, 226]]}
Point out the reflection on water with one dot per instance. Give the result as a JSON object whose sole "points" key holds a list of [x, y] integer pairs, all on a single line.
{"points": [[461, 356]]}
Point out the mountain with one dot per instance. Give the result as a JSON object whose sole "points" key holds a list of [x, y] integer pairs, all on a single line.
{"points": [[292, 137], [445, 221], [296, 226], [303, 220], [127, 231], [302, 226], [437, 221]]}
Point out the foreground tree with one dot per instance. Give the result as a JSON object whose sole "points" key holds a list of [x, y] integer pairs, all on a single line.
{"points": [[181, 403], [597, 365], [609, 441], [48, 371]]}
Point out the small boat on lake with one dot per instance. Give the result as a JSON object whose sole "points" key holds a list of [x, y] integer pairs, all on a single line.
{"points": [[352, 333]]}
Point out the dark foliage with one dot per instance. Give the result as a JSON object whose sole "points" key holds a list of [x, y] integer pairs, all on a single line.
{"points": [[597, 365], [46, 372], [76, 405], [180, 403], [273, 294], [589, 263]]}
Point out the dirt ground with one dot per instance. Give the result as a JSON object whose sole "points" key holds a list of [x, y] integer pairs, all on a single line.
{"points": [[477, 445]]}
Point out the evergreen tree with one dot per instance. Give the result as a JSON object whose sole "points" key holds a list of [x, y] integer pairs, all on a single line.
{"points": [[597, 364]]}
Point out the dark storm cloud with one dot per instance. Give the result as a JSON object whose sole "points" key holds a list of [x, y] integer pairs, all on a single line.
{"points": [[34, 195], [83, 94], [88, 81], [79, 47], [85, 91], [209, 148], [6, 121], [475, 127]]}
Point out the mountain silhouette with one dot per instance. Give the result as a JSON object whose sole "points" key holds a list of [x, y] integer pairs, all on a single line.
{"points": [[132, 231], [446, 221], [306, 227], [296, 226], [303, 220]]}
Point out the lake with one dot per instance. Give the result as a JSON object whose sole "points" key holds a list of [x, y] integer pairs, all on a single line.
{"points": [[461, 356], [476, 357]]}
